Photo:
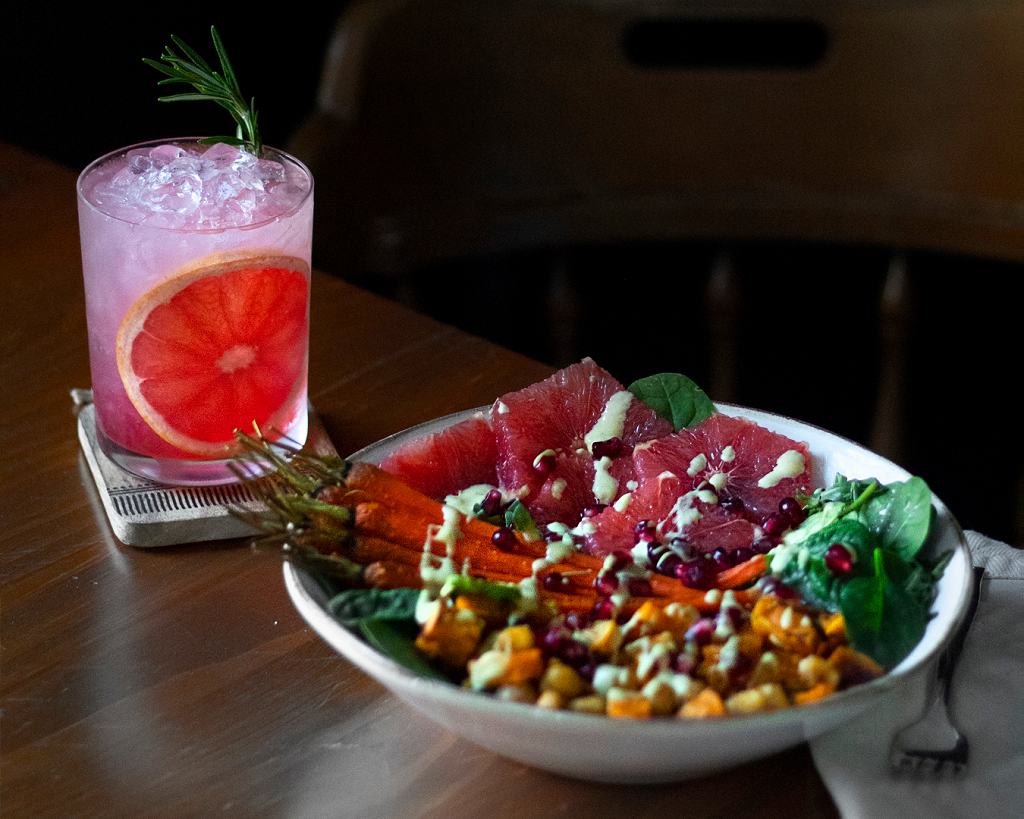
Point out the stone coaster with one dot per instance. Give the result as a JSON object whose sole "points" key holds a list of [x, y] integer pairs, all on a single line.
{"points": [[146, 513]]}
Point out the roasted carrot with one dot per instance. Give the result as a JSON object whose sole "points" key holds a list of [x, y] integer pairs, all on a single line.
{"points": [[392, 522], [372, 519], [385, 574], [366, 481], [743, 573]]}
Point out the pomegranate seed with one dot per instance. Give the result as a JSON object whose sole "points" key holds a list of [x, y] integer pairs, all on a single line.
{"points": [[723, 559], [603, 609], [491, 504], [742, 555], [552, 639], [668, 563], [554, 582], [577, 620], [772, 585], [544, 464], [792, 510], [740, 670], [762, 546], [655, 551], [505, 539], [574, 653], [695, 574], [733, 615], [586, 671], [682, 663], [701, 632], [595, 510], [682, 546], [643, 532], [606, 584], [775, 525], [620, 560], [612, 448], [838, 559]]}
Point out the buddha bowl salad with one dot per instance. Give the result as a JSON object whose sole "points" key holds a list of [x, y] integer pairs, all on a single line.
{"points": [[624, 552]]}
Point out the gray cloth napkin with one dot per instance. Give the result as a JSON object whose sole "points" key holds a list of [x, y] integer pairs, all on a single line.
{"points": [[987, 704]]}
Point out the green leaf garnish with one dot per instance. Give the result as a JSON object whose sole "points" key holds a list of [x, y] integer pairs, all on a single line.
{"points": [[675, 398], [386, 618], [221, 88], [886, 598], [478, 587]]}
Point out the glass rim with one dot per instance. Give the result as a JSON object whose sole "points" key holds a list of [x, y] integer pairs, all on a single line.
{"points": [[194, 140]]}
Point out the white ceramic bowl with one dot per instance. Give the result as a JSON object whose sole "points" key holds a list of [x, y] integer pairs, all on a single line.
{"points": [[659, 750]]}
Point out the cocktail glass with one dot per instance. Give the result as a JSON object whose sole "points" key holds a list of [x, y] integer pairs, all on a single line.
{"points": [[196, 261]]}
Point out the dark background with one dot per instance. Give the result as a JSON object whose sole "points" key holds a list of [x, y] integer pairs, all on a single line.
{"points": [[74, 87]]}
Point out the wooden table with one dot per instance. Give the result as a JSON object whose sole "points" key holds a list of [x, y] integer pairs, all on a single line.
{"points": [[181, 682]]}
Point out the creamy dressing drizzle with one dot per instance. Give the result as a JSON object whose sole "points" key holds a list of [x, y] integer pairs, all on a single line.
{"points": [[612, 421], [790, 464], [682, 514], [434, 576], [468, 498], [540, 457], [697, 464], [605, 486]]}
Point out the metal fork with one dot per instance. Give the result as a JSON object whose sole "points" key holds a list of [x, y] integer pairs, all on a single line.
{"points": [[932, 746]]}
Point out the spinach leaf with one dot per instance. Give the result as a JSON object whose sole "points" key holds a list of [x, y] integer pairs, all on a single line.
{"points": [[397, 639], [842, 491], [351, 606], [386, 618], [802, 564], [886, 598], [901, 516], [518, 517], [675, 398], [886, 614]]}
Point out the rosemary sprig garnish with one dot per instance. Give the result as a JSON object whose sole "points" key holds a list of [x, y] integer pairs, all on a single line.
{"points": [[296, 526], [222, 89]]}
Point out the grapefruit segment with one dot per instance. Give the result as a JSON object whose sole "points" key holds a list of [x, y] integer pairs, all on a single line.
{"points": [[564, 416], [219, 346], [734, 456], [445, 462]]}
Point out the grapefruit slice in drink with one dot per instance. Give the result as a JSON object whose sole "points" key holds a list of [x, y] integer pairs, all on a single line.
{"points": [[220, 345]]}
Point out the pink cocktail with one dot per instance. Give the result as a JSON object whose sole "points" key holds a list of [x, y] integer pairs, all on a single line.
{"points": [[197, 270]]}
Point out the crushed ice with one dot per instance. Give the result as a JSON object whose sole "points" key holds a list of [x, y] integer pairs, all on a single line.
{"points": [[173, 187]]}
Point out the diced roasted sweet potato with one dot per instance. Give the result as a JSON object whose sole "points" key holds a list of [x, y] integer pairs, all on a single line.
{"points": [[784, 626], [854, 667], [706, 704], [627, 704], [451, 635]]}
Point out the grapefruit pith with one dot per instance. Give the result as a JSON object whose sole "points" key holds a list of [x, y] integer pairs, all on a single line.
{"points": [[219, 346]]}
